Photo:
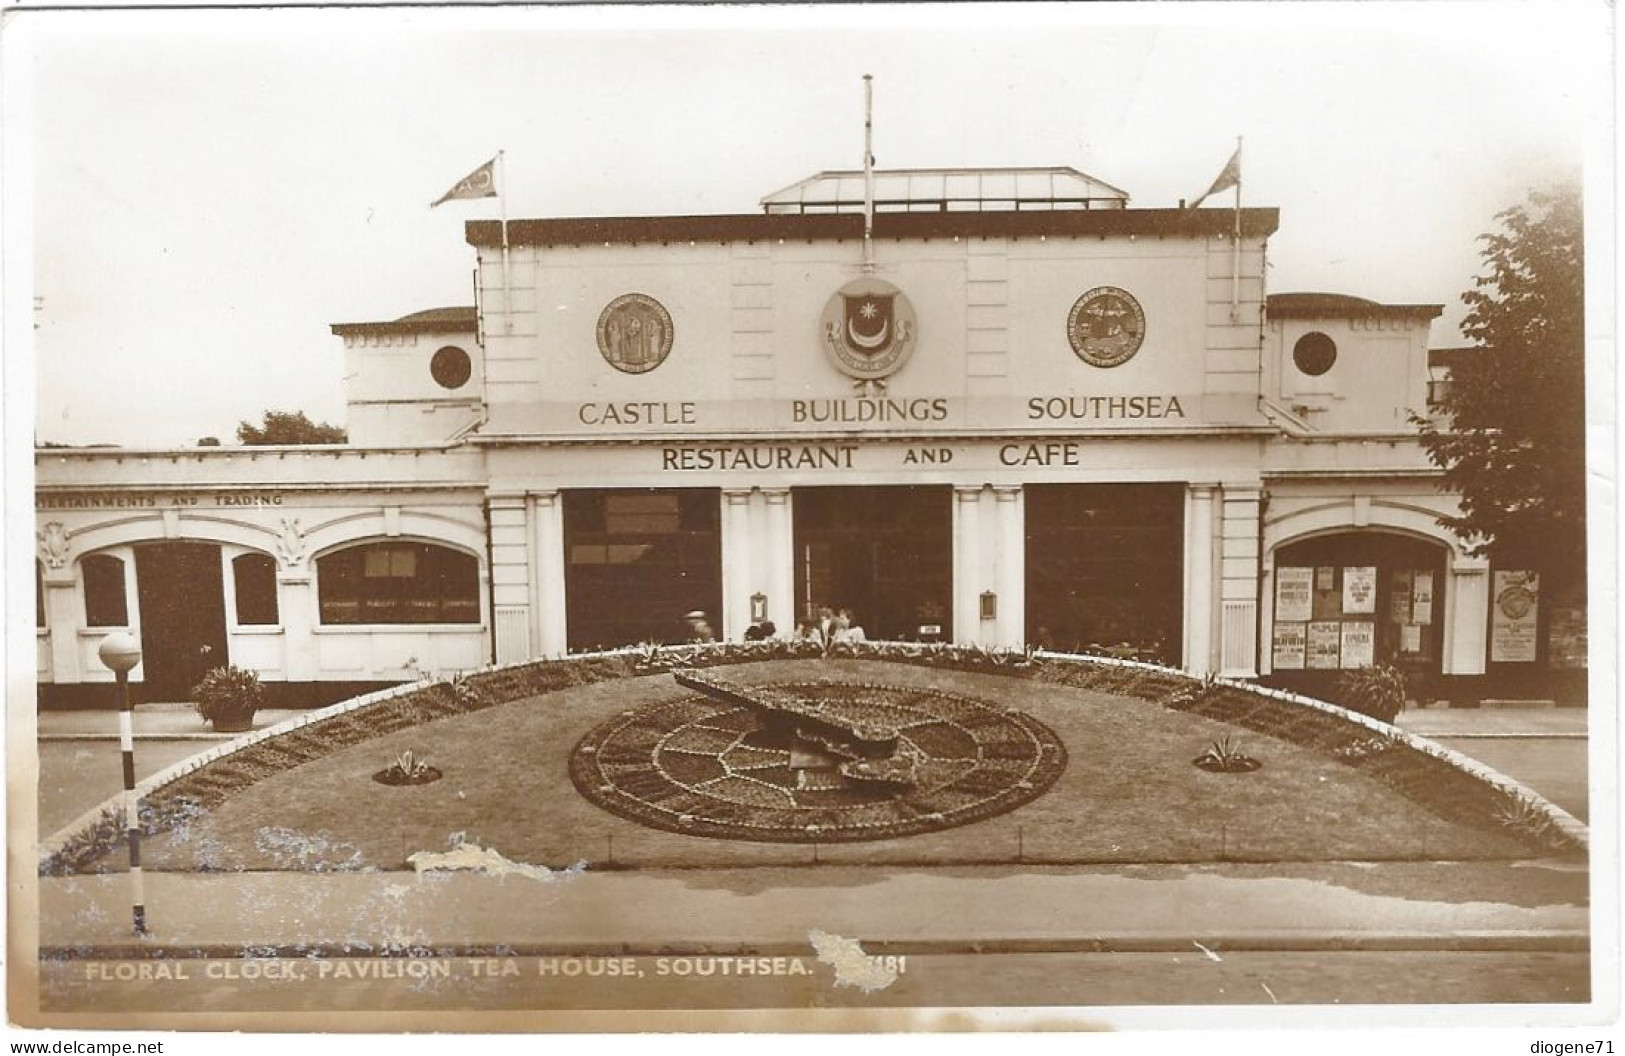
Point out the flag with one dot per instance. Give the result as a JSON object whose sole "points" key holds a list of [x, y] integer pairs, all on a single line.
{"points": [[1230, 177], [481, 183]]}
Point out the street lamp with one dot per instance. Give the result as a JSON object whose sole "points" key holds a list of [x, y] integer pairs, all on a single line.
{"points": [[120, 652]]}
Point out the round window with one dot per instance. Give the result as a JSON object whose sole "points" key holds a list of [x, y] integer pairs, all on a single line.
{"points": [[1314, 353], [451, 367]]}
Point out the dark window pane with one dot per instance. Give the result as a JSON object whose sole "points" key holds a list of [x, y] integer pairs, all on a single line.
{"points": [[39, 595], [638, 560], [104, 592], [255, 578], [398, 583]]}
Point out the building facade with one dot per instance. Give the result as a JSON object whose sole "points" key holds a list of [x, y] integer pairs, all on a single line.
{"points": [[1020, 412]]}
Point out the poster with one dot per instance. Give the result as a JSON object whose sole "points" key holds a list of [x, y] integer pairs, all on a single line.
{"points": [[1288, 653], [1324, 639], [1359, 642], [1399, 598], [1324, 577], [1410, 638], [1359, 590], [1294, 595], [1514, 616], [1422, 599]]}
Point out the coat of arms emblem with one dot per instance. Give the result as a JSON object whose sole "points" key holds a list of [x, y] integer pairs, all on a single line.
{"points": [[1106, 326], [635, 333], [869, 329]]}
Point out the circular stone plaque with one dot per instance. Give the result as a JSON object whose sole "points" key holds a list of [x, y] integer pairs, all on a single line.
{"points": [[706, 767], [635, 333], [1106, 326]]}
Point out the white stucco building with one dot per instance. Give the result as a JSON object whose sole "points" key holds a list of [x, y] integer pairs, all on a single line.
{"points": [[1023, 412]]}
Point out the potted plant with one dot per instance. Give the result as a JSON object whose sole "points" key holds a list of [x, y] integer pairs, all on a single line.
{"points": [[228, 697]]}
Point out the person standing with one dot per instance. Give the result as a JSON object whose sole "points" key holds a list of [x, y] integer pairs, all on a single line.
{"points": [[699, 626]]}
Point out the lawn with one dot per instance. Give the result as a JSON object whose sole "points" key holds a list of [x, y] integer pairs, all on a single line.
{"points": [[1129, 794]]}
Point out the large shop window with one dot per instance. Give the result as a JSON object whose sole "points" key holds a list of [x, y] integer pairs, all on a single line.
{"points": [[254, 576], [398, 583], [637, 560], [884, 553], [1105, 568], [105, 604]]}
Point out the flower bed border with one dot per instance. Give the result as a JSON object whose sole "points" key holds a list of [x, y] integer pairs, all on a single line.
{"points": [[1440, 779]]}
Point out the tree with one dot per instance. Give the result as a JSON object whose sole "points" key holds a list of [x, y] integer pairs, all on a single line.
{"points": [[289, 427], [1514, 448]]}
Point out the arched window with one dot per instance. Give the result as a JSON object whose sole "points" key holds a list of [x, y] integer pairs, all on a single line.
{"points": [[104, 591], [254, 576], [398, 582]]}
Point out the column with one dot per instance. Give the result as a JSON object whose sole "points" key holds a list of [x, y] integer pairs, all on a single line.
{"points": [[1238, 581], [63, 618], [1466, 616], [1010, 567], [737, 581], [780, 560], [296, 612], [510, 575], [1199, 581], [967, 591], [547, 508], [1266, 615]]}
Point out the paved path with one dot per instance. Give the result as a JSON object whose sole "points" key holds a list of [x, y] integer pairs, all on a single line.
{"points": [[1325, 906], [1495, 722]]}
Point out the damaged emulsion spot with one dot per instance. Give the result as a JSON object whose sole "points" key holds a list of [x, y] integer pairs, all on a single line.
{"points": [[852, 966], [488, 860]]}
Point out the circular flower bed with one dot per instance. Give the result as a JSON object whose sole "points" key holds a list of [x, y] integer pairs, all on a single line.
{"points": [[706, 767]]}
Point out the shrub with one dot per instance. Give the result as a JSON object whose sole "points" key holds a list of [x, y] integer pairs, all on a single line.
{"points": [[228, 693], [1375, 691]]}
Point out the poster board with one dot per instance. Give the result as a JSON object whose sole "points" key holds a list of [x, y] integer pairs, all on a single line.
{"points": [[1359, 590], [1422, 599], [1324, 644], [1289, 646], [1358, 645], [1294, 594], [1514, 616]]}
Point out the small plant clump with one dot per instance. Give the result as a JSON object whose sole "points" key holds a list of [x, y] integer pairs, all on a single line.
{"points": [[228, 697], [1363, 748], [407, 769], [1525, 816], [1378, 691], [1224, 756]]}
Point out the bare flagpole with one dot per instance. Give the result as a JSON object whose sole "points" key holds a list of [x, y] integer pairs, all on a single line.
{"points": [[868, 174], [507, 270], [1235, 269]]}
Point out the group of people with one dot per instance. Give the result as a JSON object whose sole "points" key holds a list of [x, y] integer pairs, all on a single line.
{"points": [[830, 625]]}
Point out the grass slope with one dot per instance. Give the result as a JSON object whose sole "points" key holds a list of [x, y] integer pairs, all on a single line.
{"points": [[1129, 794]]}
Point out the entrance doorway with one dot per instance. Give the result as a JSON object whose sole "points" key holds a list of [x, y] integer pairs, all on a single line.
{"points": [[183, 616], [1357, 599], [885, 553]]}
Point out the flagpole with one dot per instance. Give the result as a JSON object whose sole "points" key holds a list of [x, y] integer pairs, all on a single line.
{"points": [[507, 271], [868, 174], [1235, 270]]}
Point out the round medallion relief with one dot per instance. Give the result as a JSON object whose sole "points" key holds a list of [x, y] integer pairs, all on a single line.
{"points": [[635, 333], [1106, 326]]}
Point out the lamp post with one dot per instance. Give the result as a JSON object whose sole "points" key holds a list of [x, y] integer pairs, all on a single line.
{"points": [[120, 652]]}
